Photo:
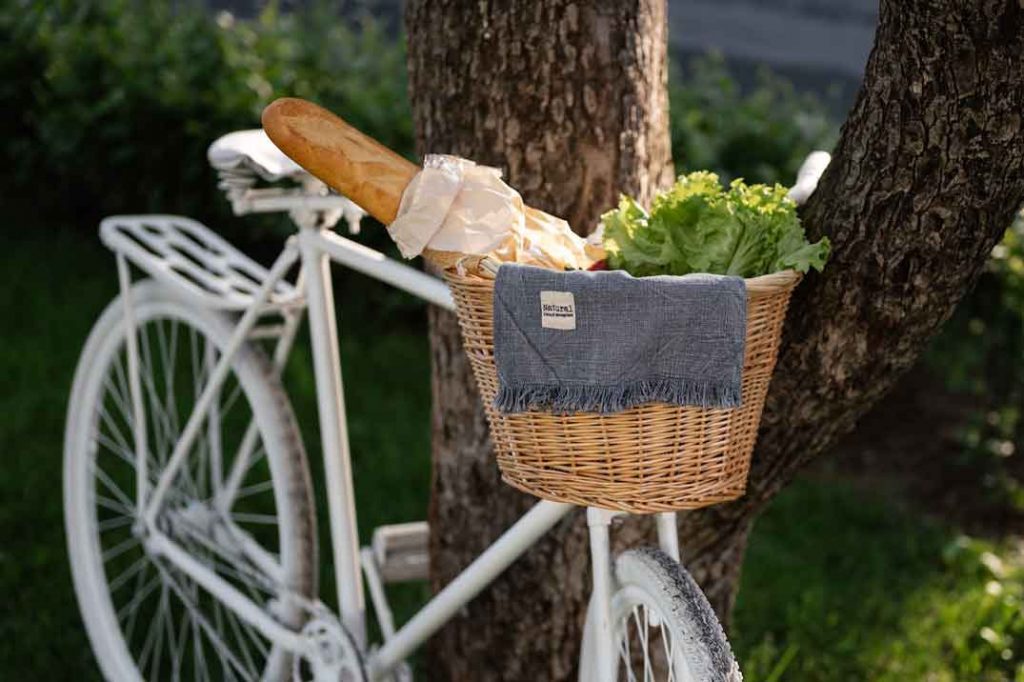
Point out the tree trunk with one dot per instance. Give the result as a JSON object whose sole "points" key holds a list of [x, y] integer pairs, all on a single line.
{"points": [[927, 174], [570, 99]]}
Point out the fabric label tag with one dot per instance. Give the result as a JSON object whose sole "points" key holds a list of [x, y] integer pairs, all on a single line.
{"points": [[557, 310]]}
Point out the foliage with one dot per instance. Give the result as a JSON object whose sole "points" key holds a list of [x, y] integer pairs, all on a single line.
{"points": [[981, 352], [115, 101], [839, 584], [762, 135], [697, 226], [976, 623]]}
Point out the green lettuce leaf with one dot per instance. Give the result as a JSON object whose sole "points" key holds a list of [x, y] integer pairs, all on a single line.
{"points": [[629, 243], [697, 226]]}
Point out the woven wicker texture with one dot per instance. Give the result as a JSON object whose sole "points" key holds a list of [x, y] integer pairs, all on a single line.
{"points": [[650, 458]]}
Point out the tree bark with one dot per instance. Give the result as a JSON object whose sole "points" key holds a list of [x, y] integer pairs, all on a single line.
{"points": [[927, 175], [570, 99]]}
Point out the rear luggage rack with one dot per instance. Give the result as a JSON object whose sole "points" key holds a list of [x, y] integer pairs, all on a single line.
{"points": [[186, 254]]}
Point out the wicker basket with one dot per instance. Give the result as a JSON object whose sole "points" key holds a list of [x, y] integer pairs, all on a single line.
{"points": [[650, 458]]}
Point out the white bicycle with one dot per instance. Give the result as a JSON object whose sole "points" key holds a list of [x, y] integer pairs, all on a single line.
{"points": [[189, 508]]}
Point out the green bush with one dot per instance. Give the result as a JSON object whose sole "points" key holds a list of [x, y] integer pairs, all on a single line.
{"points": [[981, 352], [760, 136], [115, 101]]}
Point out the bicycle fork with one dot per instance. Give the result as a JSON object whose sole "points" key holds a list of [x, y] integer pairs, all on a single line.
{"points": [[598, 522]]}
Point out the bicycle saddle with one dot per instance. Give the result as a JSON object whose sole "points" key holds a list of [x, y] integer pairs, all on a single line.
{"points": [[252, 150]]}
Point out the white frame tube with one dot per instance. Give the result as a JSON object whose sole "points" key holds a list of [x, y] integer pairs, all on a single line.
{"points": [[541, 518], [330, 398], [230, 596], [363, 259], [213, 384], [668, 534], [225, 495], [124, 278], [380, 602], [598, 521]]}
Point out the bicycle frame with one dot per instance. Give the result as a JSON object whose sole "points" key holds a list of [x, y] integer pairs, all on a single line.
{"points": [[316, 248]]}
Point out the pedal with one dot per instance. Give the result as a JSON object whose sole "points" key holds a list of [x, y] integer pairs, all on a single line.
{"points": [[401, 551]]}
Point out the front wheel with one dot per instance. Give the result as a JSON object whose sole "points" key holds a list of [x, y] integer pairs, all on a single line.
{"points": [[663, 627]]}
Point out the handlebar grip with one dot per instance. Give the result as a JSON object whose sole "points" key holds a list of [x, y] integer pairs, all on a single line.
{"points": [[808, 175], [348, 161]]}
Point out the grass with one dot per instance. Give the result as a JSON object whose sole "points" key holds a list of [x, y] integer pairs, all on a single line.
{"points": [[839, 584], [842, 584]]}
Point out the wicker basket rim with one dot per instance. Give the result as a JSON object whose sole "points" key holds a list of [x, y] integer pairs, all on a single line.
{"points": [[763, 284]]}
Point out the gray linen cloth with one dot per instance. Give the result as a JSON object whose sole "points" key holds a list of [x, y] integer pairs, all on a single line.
{"points": [[606, 341]]}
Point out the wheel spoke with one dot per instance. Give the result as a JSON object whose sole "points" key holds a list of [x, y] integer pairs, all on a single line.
{"points": [[648, 672], [198, 661], [172, 647], [114, 506], [128, 573], [247, 456], [126, 456], [118, 398], [232, 398], [254, 489], [199, 380], [212, 633], [668, 644], [151, 634], [171, 627], [114, 523], [246, 517], [112, 487], [120, 548], [213, 432], [140, 595], [170, 353], [164, 435], [131, 609], [114, 431], [627, 655], [233, 623], [121, 376]]}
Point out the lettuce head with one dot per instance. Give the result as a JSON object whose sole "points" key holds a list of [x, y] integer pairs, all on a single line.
{"points": [[699, 226]]}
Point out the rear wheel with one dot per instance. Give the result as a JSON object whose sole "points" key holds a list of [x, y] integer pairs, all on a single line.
{"points": [[241, 505], [663, 628]]}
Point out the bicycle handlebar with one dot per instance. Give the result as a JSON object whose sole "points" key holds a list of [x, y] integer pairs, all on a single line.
{"points": [[353, 164], [808, 175]]}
